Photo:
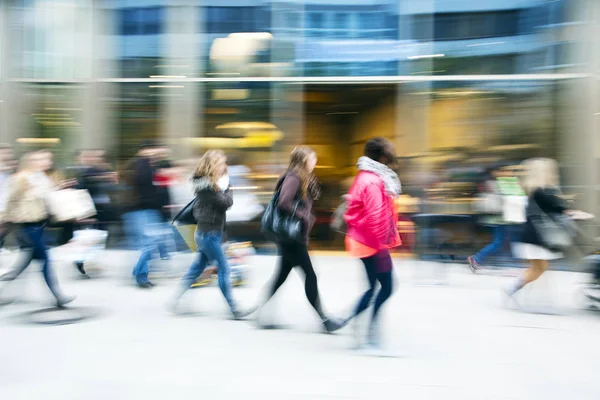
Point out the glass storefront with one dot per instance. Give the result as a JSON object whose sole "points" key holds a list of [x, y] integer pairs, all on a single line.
{"points": [[456, 86]]}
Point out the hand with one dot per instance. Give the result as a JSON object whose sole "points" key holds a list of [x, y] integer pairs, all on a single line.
{"points": [[67, 183]]}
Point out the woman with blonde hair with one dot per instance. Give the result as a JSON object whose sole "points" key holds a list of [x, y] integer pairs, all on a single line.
{"points": [[297, 190], [541, 183], [213, 199], [26, 208]]}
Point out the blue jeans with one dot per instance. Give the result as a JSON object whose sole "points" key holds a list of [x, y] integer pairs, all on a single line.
{"points": [[144, 231], [209, 249], [500, 234], [32, 241]]}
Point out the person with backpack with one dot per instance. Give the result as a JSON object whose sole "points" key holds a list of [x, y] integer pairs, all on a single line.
{"points": [[372, 229]]}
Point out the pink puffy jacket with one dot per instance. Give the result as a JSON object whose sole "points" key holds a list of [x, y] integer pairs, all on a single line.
{"points": [[370, 213]]}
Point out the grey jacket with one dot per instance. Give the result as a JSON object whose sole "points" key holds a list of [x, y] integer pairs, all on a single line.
{"points": [[211, 206]]}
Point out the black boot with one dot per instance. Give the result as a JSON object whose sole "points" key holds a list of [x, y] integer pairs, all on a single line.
{"points": [[79, 266], [333, 324]]}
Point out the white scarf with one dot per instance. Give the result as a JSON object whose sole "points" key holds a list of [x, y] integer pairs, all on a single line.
{"points": [[390, 178]]}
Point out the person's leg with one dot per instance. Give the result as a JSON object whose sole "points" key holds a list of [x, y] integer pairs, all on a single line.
{"points": [[285, 267], [5, 229], [213, 245], [386, 281], [499, 236], [366, 298], [198, 266], [535, 270], [302, 259], [25, 255], [39, 252], [145, 244]]}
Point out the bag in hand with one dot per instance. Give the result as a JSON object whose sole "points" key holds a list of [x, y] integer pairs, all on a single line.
{"points": [[70, 205], [338, 223], [280, 226], [489, 204]]}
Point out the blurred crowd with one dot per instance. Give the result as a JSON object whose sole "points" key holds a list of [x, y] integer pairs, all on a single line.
{"points": [[164, 206]]}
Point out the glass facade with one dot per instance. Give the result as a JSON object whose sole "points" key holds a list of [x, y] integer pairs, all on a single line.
{"points": [[454, 84]]}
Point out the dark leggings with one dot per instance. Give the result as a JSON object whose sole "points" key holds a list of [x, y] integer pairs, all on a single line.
{"points": [[385, 280], [292, 255]]}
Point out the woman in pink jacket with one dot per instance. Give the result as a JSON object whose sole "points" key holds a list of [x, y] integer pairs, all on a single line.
{"points": [[372, 225]]}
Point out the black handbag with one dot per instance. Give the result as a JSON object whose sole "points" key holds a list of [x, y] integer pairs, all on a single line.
{"points": [[186, 215], [280, 226], [556, 231]]}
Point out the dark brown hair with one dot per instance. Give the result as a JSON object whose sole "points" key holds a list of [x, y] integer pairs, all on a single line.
{"points": [[381, 150]]}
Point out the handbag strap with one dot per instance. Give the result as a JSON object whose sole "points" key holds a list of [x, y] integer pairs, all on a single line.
{"points": [[277, 193], [176, 218]]}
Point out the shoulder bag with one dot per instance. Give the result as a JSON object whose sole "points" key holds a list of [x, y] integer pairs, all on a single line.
{"points": [[280, 226], [555, 231]]}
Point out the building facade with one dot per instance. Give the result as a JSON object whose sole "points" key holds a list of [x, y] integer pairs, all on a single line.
{"points": [[451, 82]]}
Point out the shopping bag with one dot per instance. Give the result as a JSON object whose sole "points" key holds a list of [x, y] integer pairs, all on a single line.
{"points": [[70, 205], [186, 215], [514, 209], [187, 233]]}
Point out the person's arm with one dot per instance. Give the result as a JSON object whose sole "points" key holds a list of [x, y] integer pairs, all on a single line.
{"points": [[375, 209], [549, 201], [288, 198], [224, 199], [16, 189]]}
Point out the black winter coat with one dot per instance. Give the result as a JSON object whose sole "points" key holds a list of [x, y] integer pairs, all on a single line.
{"points": [[549, 202]]}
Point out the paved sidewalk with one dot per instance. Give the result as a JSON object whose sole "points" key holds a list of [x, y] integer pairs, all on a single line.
{"points": [[457, 341]]}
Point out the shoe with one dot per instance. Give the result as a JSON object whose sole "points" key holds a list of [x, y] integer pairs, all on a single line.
{"points": [[79, 266], [173, 306], [64, 300], [146, 285], [473, 264], [333, 324], [241, 315]]}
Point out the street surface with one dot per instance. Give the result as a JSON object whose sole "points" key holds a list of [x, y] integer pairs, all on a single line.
{"points": [[450, 341]]}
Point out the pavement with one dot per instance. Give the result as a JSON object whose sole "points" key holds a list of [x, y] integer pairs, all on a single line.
{"points": [[453, 340]]}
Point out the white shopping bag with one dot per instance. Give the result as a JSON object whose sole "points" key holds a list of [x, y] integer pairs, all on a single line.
{"points": [[514, 209], [70, 205], [85, 246]]}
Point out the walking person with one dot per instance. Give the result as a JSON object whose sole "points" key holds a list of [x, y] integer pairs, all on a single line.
{"points": [[213, 198], [298, 183], [143, 219], [26, 208], [372, 228], [7, 166], [541, 183], [499, 188]]}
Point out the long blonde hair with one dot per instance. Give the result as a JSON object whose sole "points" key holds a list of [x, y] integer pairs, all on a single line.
{"points": [[207, 166], [540, 173], [299, 165]]}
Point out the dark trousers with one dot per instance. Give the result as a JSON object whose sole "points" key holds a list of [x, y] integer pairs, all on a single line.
{"points": [[384, 279], [296, 255], [34, 248]]}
